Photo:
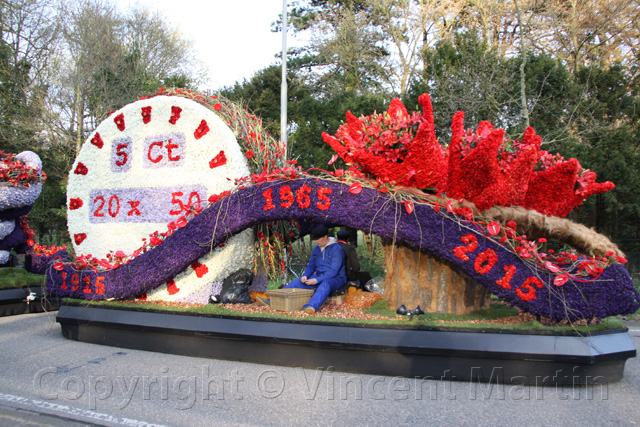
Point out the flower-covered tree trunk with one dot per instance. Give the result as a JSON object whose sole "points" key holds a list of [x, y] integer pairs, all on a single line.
{"points": [[414, 278]]}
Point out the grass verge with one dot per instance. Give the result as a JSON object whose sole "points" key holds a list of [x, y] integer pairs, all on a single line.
{"points": [[11, 277], [475, 320]]}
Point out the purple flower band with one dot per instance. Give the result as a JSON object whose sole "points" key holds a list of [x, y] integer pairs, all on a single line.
{"points": [[436, 233]]}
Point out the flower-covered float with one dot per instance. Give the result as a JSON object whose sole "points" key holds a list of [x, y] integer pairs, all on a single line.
{"points": [[466, 204], [21, 179]]}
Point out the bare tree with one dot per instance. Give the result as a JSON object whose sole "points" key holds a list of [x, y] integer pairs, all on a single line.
{"points": [[109, 59], [28, 35]]}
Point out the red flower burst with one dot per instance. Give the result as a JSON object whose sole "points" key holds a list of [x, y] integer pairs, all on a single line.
{"points": [[480, 166], [249, 154], [386, 146]]}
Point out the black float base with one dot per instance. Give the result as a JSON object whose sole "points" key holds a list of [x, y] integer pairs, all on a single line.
{"points": [[410, 351], [26, 300]]}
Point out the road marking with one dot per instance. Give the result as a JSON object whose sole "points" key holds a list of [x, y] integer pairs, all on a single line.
{"points": [[69, 412]]}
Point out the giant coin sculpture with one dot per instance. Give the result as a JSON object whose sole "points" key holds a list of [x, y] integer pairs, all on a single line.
{"points": [[148, 165]]}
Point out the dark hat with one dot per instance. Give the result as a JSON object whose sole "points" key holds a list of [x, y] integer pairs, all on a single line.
{"points": [[319, 231], [343, 234]]}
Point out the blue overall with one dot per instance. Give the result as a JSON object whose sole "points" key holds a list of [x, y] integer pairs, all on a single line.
{"points": [[327, 267]]}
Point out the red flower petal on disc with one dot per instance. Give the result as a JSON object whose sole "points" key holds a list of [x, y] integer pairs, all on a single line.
{"points": [[75, 203], [408, 206], [200, 269], [146, 114], [175, 114], [219, 160], [119, 121], [97, 140], [79, 237], [355, 188], [171, 287], [81, 169], [202, 130]]}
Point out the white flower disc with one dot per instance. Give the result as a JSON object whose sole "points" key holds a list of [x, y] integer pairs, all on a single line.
{"points": [[138, 170]]}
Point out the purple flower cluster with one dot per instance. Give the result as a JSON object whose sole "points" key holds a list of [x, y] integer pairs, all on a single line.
{"points": [[41, 263], [436, 233], [16, 197]]}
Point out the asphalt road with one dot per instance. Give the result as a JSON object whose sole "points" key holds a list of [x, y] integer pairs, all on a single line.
{"points": [[47, 380]]}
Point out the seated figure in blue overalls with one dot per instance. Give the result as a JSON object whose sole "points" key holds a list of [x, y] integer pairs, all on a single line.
{"points": [[325, 271]]}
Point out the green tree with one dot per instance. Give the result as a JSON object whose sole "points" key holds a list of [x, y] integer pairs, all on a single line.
{"points": [[347, 51], [308, 113], [607, 133], [466, 74]]}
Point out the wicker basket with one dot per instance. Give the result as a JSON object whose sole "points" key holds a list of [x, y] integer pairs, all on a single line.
{"points": [[289, 299]]}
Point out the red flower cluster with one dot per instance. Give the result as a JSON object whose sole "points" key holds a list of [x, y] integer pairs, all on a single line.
{"points": [[482, 167], [394, 146], [37, 248], [17, 173]]}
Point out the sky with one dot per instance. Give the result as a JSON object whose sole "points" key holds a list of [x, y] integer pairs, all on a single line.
{"points": [[232, 37]]}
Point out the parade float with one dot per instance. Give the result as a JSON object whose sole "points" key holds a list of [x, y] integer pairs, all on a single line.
{"points": [[170, 195], [22, 259]]}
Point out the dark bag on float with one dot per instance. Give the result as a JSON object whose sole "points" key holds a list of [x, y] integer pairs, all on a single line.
{"points": [[235, 288]]}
